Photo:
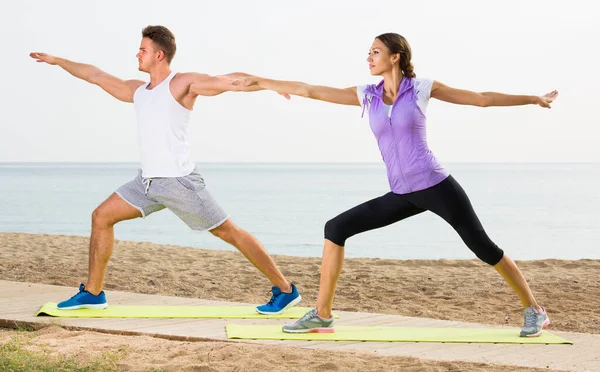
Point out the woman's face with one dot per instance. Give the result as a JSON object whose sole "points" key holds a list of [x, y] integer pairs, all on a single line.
{"points": [[380, 60]]}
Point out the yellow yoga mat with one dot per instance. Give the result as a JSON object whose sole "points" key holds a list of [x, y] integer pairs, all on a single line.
{"points": [[395, 334], [169, 312]]}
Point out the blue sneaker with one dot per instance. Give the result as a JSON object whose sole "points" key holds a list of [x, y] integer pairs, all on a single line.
{"points": [[280, 301], [84, 300]]}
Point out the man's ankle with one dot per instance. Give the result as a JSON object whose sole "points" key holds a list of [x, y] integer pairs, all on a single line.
{"points": [[289, 289], [92, 291]]}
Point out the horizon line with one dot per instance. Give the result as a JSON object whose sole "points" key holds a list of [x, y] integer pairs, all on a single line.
{"points": [[297, 162]]}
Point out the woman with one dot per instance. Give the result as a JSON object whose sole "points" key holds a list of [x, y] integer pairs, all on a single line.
{"points": [[396, 108]]}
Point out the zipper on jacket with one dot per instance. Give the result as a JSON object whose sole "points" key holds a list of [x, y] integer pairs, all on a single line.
{"points": [[396, 151]]}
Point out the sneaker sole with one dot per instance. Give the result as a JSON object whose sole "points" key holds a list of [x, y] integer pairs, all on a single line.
{"points": [[546, 323], [85, 306], [294, 302], [313, 330]]}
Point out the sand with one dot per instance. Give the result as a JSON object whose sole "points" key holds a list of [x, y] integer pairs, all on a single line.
{"points": [[461, 290]]}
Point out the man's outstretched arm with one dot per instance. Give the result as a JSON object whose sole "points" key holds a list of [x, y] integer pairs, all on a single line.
{"points": [[207, 85], [120, 89]]}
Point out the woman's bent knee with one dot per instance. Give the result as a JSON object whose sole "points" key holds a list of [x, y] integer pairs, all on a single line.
{"points": [[334, 232], [492, 257]]}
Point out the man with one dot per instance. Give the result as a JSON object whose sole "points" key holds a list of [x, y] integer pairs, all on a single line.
{"points": [[168, 179]]}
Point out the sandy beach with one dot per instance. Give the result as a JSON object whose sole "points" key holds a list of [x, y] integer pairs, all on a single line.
{"points": [[464, 290]]}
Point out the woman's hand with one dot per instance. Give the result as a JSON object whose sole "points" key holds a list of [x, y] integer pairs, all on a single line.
{"points": [[249, 81]]}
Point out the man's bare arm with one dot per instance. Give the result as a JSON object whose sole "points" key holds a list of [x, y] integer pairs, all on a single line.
{"points": [[122, 90], [207, 85]]}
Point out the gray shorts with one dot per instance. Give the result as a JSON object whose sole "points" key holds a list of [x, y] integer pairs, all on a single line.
{"points": [[185, 196]]}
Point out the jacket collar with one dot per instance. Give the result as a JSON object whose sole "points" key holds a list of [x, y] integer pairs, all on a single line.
{"points": [[377, 90]]}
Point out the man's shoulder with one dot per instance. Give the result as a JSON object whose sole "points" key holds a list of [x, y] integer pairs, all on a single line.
{"points": [[135, 83], [190, 76]]}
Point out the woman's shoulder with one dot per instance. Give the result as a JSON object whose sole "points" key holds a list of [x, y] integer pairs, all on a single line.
{"points": [[423, 86], [422, 81], [371, 89]]}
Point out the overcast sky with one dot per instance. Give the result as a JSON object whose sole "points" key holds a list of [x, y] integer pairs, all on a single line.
{"points": [[521, 47]]}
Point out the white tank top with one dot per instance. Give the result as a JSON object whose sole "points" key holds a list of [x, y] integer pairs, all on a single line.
{"points": [[162, 131]]}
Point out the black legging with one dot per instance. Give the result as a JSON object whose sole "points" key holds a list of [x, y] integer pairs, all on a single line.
{"points": [[446, 199]]}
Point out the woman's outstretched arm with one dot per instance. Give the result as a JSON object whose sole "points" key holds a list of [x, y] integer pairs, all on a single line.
{"points": [[487, 99], [345, 96]]}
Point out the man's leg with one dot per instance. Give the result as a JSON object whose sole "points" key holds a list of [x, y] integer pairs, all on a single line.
{"points": [[189, 199], [285, 294], [111, 211], [128, 202], [104, 218], [254, 252]]}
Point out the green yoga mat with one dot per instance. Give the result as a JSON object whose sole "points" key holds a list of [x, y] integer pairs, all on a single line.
{"points": [[395, 334], [169, 312]]}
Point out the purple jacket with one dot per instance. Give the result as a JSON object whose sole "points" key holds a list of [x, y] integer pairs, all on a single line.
{"points": [[402, 139]]}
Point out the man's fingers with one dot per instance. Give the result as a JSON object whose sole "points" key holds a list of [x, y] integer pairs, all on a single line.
{"points": [[39, 57]]}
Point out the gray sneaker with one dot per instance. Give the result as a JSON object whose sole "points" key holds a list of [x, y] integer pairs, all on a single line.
{"points": [[534, 322], [310, 323]]}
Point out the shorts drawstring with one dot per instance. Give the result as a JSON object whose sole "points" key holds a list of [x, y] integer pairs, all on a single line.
{"points": [[146, 182]]}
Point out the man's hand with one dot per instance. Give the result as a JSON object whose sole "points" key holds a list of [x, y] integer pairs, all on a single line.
{"points": [[120, 89], [547, 99], [43, 57], [248, 81]]}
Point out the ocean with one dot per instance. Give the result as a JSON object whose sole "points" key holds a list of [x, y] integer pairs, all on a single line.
{"points": [[531, 211]]}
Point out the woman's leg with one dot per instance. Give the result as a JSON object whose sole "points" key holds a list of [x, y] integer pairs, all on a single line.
{"points": [[449, 201], [331, 267], [373, 214]]}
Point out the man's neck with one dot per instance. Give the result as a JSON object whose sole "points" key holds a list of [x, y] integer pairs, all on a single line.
{"points": [[158, 75]]}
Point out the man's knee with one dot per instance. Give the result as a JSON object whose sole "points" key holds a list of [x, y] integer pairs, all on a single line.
{"points": [[225, 231], [114, 209], [101, 218]]}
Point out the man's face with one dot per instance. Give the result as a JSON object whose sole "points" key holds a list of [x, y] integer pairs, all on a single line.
{"points": [[147, 56]]}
